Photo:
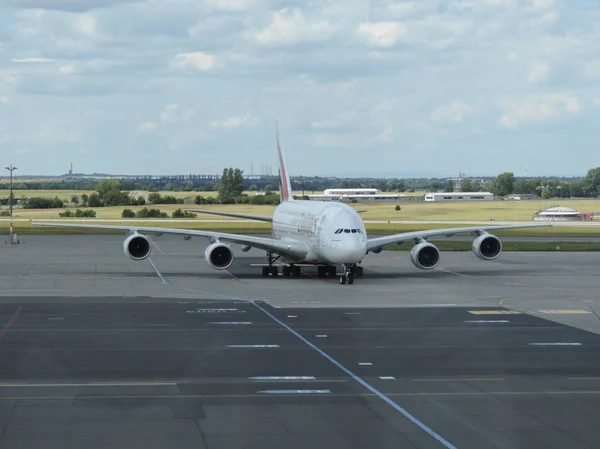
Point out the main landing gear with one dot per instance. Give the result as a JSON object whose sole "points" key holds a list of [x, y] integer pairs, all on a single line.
{"points": [[270, 269], [349, 271]]}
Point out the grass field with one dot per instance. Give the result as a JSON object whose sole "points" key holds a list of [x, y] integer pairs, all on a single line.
{"points": [[67, 194], [487, 211]]}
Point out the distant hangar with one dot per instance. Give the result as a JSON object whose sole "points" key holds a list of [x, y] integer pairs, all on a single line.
{"points": [[357, 195], [459, 196]]}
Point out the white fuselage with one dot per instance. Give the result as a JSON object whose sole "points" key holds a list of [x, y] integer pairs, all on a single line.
{"points": [[334, 233]]}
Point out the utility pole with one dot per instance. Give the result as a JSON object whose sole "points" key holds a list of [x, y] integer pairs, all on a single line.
{"points": [[10, 201]]}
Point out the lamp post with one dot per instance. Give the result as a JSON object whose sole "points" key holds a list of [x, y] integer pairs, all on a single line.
{"points": [[10, 200]]}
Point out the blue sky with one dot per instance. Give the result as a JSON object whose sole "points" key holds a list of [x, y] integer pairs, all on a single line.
{"points": [[386, 87]]}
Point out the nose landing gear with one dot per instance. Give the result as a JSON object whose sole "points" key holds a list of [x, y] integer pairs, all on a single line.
{"points": [[349, 271]]}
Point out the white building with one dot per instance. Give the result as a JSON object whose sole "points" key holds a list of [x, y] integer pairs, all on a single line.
{"points": [[459, 196], [558, 214], [357, 195]]}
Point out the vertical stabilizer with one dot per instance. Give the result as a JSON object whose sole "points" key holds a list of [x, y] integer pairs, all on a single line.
{"points": [[285, 184]]}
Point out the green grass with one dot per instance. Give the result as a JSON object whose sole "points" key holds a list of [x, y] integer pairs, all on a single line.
{"points": [[477, 211], [507, 246]]}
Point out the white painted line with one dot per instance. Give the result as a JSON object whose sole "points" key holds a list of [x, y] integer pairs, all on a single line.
{"points": [[437, 305], [321, 336], [221, 310], [486, 321], [295, 391], [352, 313], [292, 316], [91, 384], [555, 344], [387, 377], [365, 363], [230, 322], [252, 346], [283, 378], [57, 318]]}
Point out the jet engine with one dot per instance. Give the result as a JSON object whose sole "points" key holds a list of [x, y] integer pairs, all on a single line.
{"points": [[218, 256], [487, 247], [425, 256], [137, 246]]}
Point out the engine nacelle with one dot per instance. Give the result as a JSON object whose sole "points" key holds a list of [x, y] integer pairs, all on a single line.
{"points": [[218, 256], [487, 247], [425, 256], [137, 246]]}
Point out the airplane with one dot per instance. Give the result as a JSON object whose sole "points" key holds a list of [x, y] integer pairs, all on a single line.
{"points": [[324, 234]]}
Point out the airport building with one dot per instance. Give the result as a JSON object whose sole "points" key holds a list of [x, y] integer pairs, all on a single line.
{"points": [[357, 196], [560, 214], [459, 196]]}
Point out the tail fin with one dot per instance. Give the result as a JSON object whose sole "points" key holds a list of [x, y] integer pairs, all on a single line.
{"points": [[285, 184]]}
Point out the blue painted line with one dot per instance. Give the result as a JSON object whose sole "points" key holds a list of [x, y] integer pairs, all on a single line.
{"points": [[295, 391], [252, 346], [555, 344], [383, 397], [162, 279], [282, 378]]}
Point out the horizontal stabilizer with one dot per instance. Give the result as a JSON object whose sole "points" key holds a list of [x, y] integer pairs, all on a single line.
{"points": [[266, 218]]}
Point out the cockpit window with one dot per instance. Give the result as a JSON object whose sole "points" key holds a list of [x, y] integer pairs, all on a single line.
{"points": [[347, 231], [339, 231], [354, 231]]}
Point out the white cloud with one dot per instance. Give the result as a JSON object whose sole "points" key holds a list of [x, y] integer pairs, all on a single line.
{"points": [[451, 113], [33, 60], [596, 101], [247, 120], [4, 101], [542, 4], [200, 61], [148, 127], [344, 119], [292, 27], [67, 69], [173, 114], [230, 5], [383, 34], [538, 72], [87, 25], [537, 109], [402, 8]]}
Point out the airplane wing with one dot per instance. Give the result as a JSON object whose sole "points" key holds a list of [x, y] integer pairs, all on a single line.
{"points": [[291, 248], [380, 242], [233, 214]]}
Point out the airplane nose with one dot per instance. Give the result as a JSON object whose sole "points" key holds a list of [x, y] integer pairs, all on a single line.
{"points": [[349, 252]]}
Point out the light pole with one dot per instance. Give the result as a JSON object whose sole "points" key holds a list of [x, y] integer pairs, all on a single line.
{"points": [[10, 199]]}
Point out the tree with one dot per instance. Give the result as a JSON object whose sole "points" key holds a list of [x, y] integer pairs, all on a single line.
{"points": [[75, 200], [94, 200], [435, 186], [231, 184], [503, 184], [591, 183], [449, 186], [466, 185]]}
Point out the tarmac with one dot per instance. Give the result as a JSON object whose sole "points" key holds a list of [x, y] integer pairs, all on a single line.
{"points": [[97, 350]]}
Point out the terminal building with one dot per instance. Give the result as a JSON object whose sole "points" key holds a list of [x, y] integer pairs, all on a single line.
{"points": [[459, 196], [357, 196]]}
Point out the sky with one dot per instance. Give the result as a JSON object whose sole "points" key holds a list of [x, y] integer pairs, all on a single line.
{"points": [[360, 88]]}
